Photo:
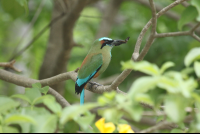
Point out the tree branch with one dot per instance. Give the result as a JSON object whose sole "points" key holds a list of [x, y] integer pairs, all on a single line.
{"points": [[190, 33], [153, 32], [27, 82], [159, 126], [169, 14], [146, 27], [160, 35], [9, 65]]}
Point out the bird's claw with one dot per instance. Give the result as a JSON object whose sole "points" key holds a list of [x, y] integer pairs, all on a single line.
{"points": [[94, 83]]}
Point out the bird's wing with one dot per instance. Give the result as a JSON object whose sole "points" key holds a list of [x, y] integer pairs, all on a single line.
{"points": [[88, 69]]}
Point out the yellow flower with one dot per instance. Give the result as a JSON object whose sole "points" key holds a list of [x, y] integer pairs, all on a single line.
{"points": [[124, 128], [105, 127]]}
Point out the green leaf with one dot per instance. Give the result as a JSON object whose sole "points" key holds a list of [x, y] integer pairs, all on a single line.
{"points": [[178, 84], [45, 121], [44, 89], [16, 118], [26, 127], [142, 66], [196, 97], [122, 121], [142, 85], [145, 98], [193, 55], [75, 110], [196, 3], [38, 100], [32, 93], [48, 125], [135, 112], [24, 4], [22, 96], [197, 68], [127, 65], [186, 71], [121, 99], [7, 104], [188, 15], [168, 84], [102, 100], [146, 67], [8, 129], [111, 114], [176, 131], [37, 85], [53, 105], [166, 66], [110, 95], [160, 118], [15, 8], [71, 127], [85, 121], [175, 107]]}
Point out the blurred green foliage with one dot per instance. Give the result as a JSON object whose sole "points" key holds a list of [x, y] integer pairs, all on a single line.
{"points": [[177, 90], [134, 17], [15, 17]]}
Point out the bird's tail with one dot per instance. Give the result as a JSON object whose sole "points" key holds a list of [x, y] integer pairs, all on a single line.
{"points": [[82, 97]]}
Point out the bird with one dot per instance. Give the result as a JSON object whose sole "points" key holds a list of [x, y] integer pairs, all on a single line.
{"points": [[95, 63]]}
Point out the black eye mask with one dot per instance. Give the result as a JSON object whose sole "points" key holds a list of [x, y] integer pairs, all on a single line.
{"points": [[106, 42]]}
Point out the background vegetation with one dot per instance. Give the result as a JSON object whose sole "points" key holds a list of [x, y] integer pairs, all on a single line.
{"points": [[47, 38]]}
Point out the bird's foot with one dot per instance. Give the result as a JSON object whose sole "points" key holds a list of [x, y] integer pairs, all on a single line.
{"points": [[94, 84]]}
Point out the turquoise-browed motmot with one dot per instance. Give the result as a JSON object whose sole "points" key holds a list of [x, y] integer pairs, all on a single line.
{"points": [[95, 63]]}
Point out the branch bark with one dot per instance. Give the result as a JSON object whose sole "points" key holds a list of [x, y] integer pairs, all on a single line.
{"points": [[9, 65], [146, 27], [159, 126], [27, 82], [184, 33], [153, 32]]}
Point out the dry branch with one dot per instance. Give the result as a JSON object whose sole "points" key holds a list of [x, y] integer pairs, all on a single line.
{"points": [[9, 65]]}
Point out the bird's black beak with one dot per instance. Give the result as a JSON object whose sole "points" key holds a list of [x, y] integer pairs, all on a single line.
{"points": [[119, 42]]}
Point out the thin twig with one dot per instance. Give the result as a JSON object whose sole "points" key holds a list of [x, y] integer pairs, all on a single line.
{"points": [[196, 37], [153, 32], [146, 27], [35, 17], [184, 33], [158, 126], [160, 35], [195, 27], [9, 65], [88, 16], [38, 35]]}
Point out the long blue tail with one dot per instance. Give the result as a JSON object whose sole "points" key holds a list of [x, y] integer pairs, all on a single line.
{"points": [[82, 97]]}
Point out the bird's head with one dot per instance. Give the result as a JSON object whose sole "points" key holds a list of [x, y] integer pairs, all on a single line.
{"points": [[105, 41]]}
